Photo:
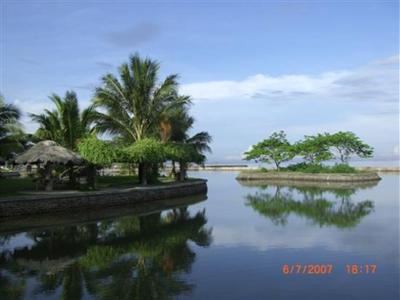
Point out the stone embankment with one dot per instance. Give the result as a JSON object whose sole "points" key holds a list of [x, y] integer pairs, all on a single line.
{"points": [[59, 201], [298, 176]]}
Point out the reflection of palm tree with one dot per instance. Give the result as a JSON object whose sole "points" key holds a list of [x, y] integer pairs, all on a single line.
{"points": [[312, 205], [131, 257], [11, 288]]}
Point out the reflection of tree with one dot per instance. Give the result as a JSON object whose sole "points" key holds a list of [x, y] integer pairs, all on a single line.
{"points": [[129, 258], [311, 203]]}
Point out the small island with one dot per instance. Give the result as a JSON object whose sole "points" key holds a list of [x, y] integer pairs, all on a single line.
{"points": [[313, 152]]}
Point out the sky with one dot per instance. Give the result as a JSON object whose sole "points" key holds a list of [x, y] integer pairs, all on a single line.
{"points": [[251, 67]]}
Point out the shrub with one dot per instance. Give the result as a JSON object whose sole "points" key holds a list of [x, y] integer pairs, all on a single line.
{"points": [[343, 168], [318, 168]]}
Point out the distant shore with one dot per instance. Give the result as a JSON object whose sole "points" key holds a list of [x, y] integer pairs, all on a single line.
{"points": [[242, 167]]}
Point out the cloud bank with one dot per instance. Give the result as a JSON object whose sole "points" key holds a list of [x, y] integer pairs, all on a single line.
{"points": [[378, 81]]}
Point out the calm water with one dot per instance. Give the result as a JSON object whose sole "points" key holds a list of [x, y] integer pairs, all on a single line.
{"points": [[232, 245]]}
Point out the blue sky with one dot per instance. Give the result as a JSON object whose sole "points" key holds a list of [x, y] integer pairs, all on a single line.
{"points": [[252, 67]]}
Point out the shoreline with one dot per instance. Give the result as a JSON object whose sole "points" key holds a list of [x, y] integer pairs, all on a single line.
{"points": [[312, 177], [231, 167], [43, 203]]}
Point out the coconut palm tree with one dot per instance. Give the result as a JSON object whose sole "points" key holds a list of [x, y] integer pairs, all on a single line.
{"points": [[10, 129], [9, 114], [175, 128], [135, 103], [66, 124]]}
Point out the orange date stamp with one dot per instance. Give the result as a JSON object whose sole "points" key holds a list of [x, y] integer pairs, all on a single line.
{"points": [[326, 269]]}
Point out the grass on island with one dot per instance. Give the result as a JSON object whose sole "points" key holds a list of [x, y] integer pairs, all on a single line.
{"points": [[17, 186], [316, 168]]}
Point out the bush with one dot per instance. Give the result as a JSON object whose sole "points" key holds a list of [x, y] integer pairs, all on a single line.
{"points": [[343, 168], [307, 168], [318, 168]]}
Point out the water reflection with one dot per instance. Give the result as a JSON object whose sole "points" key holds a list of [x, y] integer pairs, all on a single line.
{"points": [[133, 257], [322, 204]]}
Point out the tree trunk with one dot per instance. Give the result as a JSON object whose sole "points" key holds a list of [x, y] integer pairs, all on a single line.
{"points": [[277, 165], [182, 171], [154, 172], [48, 179], [143, 173]]}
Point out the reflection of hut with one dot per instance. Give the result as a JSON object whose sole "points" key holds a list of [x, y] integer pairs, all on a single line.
{"points": [[48, 154]]}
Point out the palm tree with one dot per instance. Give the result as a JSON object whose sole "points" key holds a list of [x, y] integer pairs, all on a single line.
{"points": [[10, 129], [135, 103], [9, 114], [66, 124], [178, 124]]}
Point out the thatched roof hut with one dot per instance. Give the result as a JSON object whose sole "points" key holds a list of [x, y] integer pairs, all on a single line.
{"points": [[49, 152]]}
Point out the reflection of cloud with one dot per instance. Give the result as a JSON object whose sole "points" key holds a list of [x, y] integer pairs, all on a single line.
{"points": [[374, 82], [133, 36], [300, 234]]}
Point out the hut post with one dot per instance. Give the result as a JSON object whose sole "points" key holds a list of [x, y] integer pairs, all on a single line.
{"points": [[48, 178]]}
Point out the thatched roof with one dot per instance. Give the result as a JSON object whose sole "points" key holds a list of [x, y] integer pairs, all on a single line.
{"points": [[49, 152]]}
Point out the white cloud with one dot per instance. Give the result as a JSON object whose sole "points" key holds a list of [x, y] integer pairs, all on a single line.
{"points": [[376, 81]]}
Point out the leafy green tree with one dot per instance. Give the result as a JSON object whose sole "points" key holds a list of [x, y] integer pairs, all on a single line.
{"points": [[135, 103], [347, 144], [97, 153], [66, 124], [314, 148], [276, 149], [147, 152], [184, 153]]}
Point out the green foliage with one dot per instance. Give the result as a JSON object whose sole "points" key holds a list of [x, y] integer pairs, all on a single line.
{"points": [[183, 152], [11, 133], [97, 152], [116, 181], [275, 149], [148, 150], [135, 102], [66, 124], [347, 144], [342, 168], [314, 148], [319, 168]]}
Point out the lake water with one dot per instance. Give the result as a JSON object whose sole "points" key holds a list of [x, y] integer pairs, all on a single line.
{"points": [[259, 241]]}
